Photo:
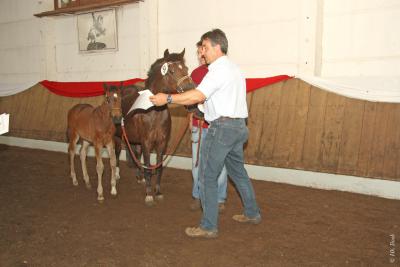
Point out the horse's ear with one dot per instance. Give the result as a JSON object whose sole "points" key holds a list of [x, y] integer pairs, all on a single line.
{"points": [[105, 88], [182, 53], [166, 53]]}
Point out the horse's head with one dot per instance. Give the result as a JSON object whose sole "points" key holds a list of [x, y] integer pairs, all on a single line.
{"points": [[169, 74], [113, 100]]}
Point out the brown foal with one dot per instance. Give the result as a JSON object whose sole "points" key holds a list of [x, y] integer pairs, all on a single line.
{"points": [[95, 126]]}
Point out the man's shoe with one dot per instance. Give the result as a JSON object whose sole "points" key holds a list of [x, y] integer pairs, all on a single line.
{"points": [[196, 205], [244, 219], [221, 207], [199, 232]]}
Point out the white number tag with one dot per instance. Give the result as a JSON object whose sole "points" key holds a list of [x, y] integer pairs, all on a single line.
{"points": [[164, 69]]}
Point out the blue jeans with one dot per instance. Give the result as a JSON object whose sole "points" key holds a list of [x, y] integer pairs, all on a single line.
{"points": [[222, 179], [224, 145]]}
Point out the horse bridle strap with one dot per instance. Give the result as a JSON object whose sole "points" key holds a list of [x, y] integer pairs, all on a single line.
{"points": [[180, 80], [152, 167]]}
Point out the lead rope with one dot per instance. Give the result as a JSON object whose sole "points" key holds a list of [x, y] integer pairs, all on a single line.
{"points": [[152, 167], [198, 143]]}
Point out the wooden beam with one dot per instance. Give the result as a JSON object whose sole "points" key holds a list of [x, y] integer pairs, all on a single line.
{"points": [[76, 9]]}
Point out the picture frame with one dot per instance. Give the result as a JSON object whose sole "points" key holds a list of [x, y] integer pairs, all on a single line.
{"points": [[97, 31], [65, 3]]}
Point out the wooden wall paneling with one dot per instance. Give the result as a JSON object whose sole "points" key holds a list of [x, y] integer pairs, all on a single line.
{"points": [[6, 103], [398, 142], [351, 136], [303, 92], [314, 129], [264, 120], [248, 152], [367, 136], [20, 121], [332, 132], [284, 129], [7, 106], [254, 128], [392, 142], [375, 167], [179, 120], [37, 114], [58, 112]]}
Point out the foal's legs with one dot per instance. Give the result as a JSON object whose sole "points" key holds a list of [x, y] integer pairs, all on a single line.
{"points": [[117, 143], [113, 163], [83, 153], [99, 169], [73, 139]]}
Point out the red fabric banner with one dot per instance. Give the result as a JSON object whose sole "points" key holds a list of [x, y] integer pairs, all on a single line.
{"points": [[87, 89], [253, 84], [82, 89]]}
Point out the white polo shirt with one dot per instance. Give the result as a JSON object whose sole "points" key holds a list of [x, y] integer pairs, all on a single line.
{"points": [[225, 89]]}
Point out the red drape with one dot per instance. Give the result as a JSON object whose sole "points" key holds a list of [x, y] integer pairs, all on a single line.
{"points": [[87, 89], [82, 89]]}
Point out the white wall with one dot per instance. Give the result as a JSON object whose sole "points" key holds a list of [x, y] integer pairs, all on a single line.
{"points": [[263, 35], [20, 41], [266, 37], [33, 49], [361, 38]]}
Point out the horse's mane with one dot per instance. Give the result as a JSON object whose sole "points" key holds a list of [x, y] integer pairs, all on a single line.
{"points": [[154, 68]]}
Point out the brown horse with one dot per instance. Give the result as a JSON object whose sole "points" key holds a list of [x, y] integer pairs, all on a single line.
{"points": [[149, 130], [96, 126]]}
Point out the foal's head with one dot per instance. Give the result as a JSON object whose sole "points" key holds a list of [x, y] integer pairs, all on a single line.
{"points": [[113, 100], [169, 74]]}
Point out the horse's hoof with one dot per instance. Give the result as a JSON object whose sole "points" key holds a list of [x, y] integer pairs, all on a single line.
{"points": [[88, 186], [100, 199], [113, 192], [160, 197], [141, 181], [75, 183], [149, 201]]}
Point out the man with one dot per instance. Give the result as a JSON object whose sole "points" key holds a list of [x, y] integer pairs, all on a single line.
{"points": [[223, 91], [199, 129]]}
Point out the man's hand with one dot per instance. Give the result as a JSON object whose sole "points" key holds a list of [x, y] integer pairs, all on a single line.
{"points": [[159, 99]]}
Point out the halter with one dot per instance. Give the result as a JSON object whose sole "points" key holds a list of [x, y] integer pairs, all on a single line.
{"points": [[113, 108], [180, 80]]}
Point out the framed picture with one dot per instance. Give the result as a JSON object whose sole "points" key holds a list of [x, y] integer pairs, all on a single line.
{"points": [[65, 3], [97, 31]]}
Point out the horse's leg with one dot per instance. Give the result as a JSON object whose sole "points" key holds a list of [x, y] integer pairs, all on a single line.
{"points": [[139, 173], [149, 200], [99, 169], [159, 170], [117, 142], [73, 139], [83, 153], [113, 163]]}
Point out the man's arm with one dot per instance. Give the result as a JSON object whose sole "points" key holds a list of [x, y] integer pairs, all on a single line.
{"points": [[187, 98]]}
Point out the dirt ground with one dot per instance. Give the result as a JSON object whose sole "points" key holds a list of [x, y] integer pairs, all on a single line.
{"points": [[46, 221]]}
